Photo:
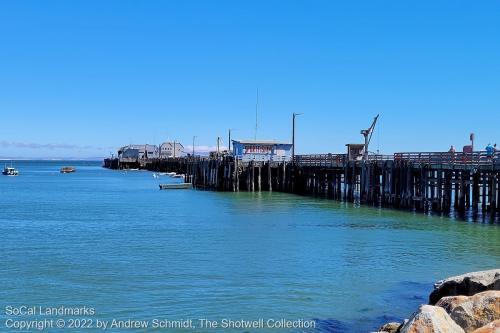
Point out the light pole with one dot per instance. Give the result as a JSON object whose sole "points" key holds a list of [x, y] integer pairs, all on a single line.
{"points": [[293, 136], [229, 144], [194, 137]]}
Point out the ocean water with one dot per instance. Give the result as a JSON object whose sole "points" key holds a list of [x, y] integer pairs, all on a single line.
{"points": [[112, 241]]}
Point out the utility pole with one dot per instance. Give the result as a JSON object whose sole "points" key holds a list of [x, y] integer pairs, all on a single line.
{"points": [[256, 115], [218, 140], [194, 137], [293, 135], [229, 144]]}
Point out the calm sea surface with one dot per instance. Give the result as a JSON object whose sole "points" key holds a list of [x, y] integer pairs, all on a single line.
{"points": [[112, 241]]}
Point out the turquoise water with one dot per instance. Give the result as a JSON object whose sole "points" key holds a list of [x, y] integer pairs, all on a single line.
{"points": [[112, 241]]}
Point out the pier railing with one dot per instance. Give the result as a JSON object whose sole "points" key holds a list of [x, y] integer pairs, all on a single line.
{"points": [[475, 159], [333, 160], [433, 158], [320, 160], [472, 159], [377, 157]]}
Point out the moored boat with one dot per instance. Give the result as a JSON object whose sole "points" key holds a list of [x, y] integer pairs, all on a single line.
{"points": [[10, 171], [175, 186], [67, 169], [178, 176]]}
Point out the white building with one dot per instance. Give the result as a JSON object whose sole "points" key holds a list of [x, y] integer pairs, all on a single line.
{"points": [[132, 153], [171, 149]]}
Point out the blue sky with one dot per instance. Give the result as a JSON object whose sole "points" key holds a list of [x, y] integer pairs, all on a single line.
{"points": [[81, 78]]}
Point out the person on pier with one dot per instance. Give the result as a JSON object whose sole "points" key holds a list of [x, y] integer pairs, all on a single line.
{"points": [[490, 150], [452, 153]]}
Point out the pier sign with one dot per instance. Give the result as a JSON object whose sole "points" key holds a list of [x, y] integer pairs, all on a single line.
{"points": [[254, 150], [257, 149]]}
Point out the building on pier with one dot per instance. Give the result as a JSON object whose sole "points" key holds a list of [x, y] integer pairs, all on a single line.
{"points": [[355, 151], [133, 153], [262, 150], [171, 149]]}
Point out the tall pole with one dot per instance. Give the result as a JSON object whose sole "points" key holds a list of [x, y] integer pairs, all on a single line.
{"points": [[218, 139], [229, 142], [293, 138], [293, 135], [194, 137], [256, 114], [174, 148]]}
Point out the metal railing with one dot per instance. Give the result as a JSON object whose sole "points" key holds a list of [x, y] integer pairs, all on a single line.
{"points": [[378, 157], [470, 159], [320, 160], [337, 160], [334, 160], [473, 159]]}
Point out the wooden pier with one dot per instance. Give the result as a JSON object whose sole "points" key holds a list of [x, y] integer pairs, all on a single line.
{"points": [[438, 182]]}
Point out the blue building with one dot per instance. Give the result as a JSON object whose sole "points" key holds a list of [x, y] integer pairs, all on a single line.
{"points": [[262, 150]]}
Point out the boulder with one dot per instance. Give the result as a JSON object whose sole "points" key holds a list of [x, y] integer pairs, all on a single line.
{"points": [[493, 327], [390, 327], [430, 319], [472, 312], [466, 285]]}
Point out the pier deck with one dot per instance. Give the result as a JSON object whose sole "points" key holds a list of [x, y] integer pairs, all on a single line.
{"points": [[423, 181]]}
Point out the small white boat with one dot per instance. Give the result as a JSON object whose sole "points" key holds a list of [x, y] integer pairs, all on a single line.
{"points": [[178, 176], [175, 186], [171, 174], [10, 171]]}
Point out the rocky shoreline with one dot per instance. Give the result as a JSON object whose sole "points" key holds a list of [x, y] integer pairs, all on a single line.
{"points": [[468, 303]]}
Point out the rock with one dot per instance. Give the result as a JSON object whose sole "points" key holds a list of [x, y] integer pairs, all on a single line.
{"points": [[466, 285], [450, 302], [473, 312], [493, 327], [390, 327], [430, 319]]}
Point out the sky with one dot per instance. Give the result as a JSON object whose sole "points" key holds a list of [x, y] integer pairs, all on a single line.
{"points": [[78, 79]]}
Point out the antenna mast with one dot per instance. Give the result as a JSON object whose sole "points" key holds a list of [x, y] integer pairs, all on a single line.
{"points": [[256, 114]]}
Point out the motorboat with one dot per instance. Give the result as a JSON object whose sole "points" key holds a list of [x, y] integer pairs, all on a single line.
{"points": [[178, 176], [10, 171], [67, 169]]}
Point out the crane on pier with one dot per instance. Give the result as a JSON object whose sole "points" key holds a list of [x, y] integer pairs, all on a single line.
{"points": [[367, 133]]}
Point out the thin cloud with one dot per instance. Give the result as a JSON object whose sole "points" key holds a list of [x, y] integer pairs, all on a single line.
{"points": [[50, 146]]}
